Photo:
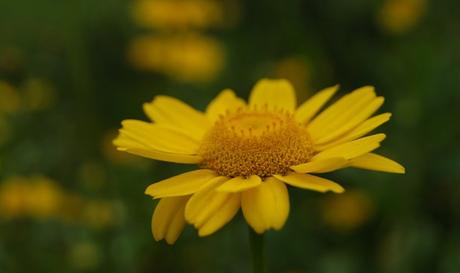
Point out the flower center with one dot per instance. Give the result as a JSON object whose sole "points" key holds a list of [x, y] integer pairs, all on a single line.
{"points": [[255, 142]]}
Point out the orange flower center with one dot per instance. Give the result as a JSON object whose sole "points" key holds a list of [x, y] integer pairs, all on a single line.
{"points": [[255, 142]]}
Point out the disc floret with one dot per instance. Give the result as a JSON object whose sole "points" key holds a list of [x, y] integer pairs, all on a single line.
{"points": [[255, 142]]}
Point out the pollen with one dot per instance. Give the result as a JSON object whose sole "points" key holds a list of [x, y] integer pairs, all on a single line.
{"points": [[255, 142]]}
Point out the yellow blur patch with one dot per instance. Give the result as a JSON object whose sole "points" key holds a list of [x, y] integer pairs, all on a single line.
{"points": [[10, 100], [184, 57], [347, 211], [400, 16]]}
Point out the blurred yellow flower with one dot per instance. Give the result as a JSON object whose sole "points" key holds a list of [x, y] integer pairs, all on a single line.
{"points": [[178, 14], [10, 100], [188, 58], [348, 211], [248, 153], [93, 213], [35, 196], [399, 16], [297, 71], [44, 197], [13, 194]]}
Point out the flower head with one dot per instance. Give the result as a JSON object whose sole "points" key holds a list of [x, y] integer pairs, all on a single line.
{"points": [[174, 14], [189, 57], [247, 153]]}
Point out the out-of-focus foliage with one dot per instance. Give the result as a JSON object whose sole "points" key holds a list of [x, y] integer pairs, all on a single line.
{"points": [[70, 71]]}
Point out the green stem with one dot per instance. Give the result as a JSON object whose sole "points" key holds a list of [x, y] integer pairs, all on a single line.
{"points": [[257, 249]]}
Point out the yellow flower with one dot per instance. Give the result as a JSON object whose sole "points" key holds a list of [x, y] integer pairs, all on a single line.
{"points": [[347, 211], [45, 197], [399, 16], [178, 14], [10, 100], [35, 196], [186, 58], [13, 198], [248, 153], [297, 70]]}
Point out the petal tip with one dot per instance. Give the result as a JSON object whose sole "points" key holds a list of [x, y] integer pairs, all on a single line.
{"points": [[203, 233], [339, 190], [170, 241], [150, 191], [380, 137], [259, 230], [401, 170], [370, 87], [157, 238], [387, 116], [333, 89]]}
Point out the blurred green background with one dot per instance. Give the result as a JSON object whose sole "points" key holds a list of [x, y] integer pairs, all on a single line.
{"points": [[70, 71]]}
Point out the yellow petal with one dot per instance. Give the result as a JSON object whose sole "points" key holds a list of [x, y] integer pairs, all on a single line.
{"points": [[209, 210], [280, 202], [225, 101], [239, 183], [310, 182], [183, 184], [275, 94], [163, 156], [156, 142], [168, 219], [340, 112], [214, 203], [171, 112], [251, 205], [266, 206], [353, 148], [377, 162], [354, 121], [321, 165], [176, 226], [200, 200], [359, 131], [222, 216], [309, 108], [158, 138]]}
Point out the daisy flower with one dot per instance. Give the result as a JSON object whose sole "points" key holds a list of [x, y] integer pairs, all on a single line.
{"points": [[248, 154]]}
